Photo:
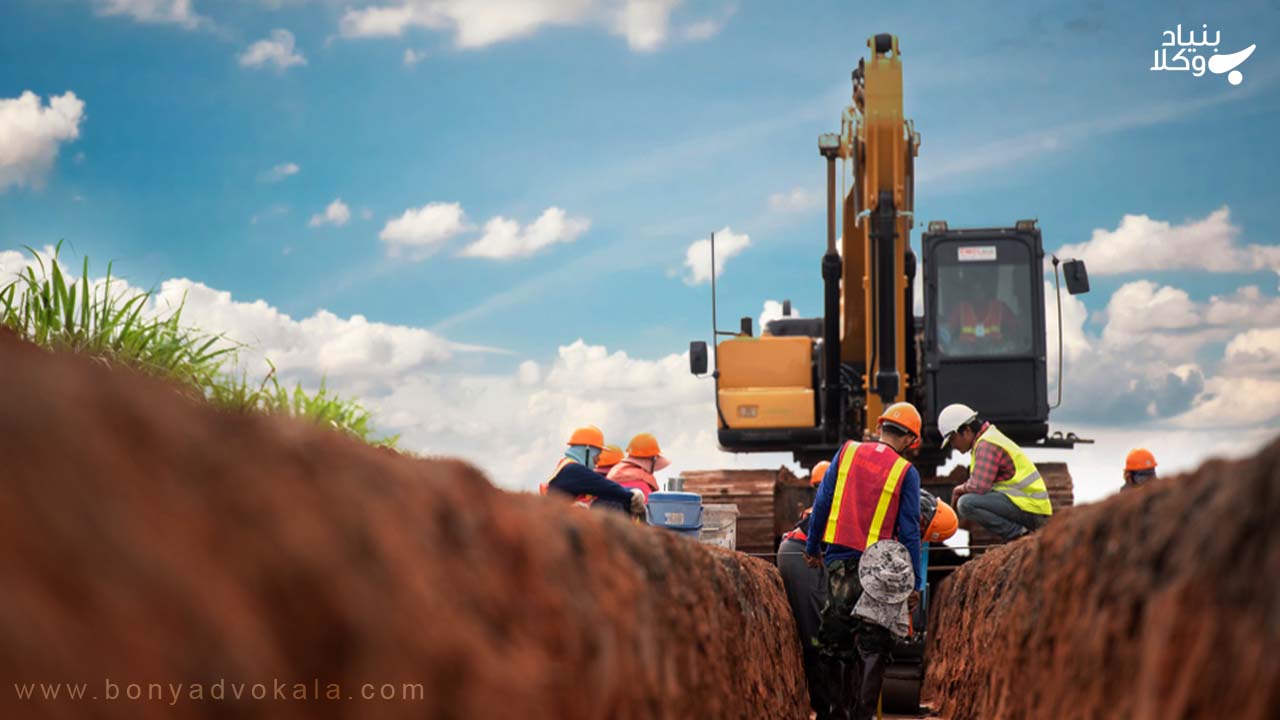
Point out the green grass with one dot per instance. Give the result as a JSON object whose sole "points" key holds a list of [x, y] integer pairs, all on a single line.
{"points": [[107, 321]]}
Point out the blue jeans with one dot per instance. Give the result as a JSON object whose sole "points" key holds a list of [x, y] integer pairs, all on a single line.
{"points": [[997, 513]]}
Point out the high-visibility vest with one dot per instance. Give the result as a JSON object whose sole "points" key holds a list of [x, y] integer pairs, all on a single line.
{"points": [[582, 500], [798, 533], [971, 329], [868, 488], [1026, 488]]}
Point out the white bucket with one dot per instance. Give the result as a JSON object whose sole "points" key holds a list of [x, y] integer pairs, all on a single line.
{"points": [[720, 525]]}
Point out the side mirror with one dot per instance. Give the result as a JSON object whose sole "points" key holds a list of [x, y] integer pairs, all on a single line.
{"points": [[698, 357], [1077, 276]]}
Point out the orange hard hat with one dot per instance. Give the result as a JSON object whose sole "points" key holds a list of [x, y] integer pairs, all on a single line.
{"points": [[589, 435], [611, 455], [1139, 459], [903, 414], [819, 470], [644, 445], [943, 526]]}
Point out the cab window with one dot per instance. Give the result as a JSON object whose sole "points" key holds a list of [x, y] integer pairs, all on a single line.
{"points": [[984, 299]]}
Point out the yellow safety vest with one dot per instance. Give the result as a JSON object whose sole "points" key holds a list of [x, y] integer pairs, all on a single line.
{"points": [[1026, 488]]}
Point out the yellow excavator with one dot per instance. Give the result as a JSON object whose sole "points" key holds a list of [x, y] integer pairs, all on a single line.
{"points": [[805, 385]]}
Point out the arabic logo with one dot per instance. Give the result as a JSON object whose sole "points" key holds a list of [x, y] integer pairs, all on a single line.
{"points": [[1197, 63]]}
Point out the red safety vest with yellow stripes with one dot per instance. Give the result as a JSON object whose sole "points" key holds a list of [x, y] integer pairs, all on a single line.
{"points": [[868, 487], [582, 500], [990, 326]]}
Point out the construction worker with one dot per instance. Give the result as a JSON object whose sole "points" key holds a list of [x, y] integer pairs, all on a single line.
{"points": [[1004, 493], [635, 471], [611, 455], [575, 476], [870, 492], [806, 589], [1139, 468], [980, 324]]}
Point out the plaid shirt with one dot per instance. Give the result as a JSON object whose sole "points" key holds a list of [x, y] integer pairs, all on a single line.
{"points": [[990, 466]]}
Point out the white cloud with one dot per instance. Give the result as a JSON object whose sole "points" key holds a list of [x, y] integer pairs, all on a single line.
{"points": [[175, 12], [418, 384], [1235, 402], [31, 133], [1140, 309], [1156, 357], [505, 239], [279, 172], [797, 199], [475, 23], [645, 24], [278, 50], [1253, 352], [337, 214], [413, 57], [352, 353], [697, 258], [419, 232], [1141, 244], [1244, 307], [1075, 343]]}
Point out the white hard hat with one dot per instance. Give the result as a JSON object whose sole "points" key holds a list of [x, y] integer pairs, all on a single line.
{"points": [[952, 417]]}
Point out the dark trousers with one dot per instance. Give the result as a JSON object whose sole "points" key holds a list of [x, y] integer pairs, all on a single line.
{"points": [[806, 593], [856, 652], [996, 512]]}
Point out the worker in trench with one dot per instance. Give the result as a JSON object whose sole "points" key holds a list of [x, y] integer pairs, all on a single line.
{"points": [[869, 494], [611, 455], [575, 476], [1139, 468], [1004, 493], [636, 470], [806, 589]]}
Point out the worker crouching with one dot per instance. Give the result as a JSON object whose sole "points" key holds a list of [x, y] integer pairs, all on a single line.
{"points": [[1004, 493], [870, 494]]}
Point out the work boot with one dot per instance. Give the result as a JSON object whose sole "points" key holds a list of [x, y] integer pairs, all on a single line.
{"points": [[870, 681]]}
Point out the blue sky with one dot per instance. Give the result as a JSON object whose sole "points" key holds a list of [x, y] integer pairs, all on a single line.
{"points": [[656, 127]]}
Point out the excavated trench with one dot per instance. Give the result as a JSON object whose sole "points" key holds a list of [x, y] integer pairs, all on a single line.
{"points": [[1161, 602], [148, 541]]}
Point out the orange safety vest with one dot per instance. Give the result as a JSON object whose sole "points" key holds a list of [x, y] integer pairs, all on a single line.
{"points": [[798, 533], [582, 500], [868, 487], [971, 329]]}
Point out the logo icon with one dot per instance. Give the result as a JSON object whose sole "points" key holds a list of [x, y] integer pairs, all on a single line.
{"points": [[1192, 55]]}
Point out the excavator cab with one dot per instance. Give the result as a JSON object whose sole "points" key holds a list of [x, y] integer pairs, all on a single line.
{"points": [[984, 325]]}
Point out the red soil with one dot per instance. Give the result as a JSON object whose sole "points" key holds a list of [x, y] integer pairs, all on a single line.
{"points": [[1158, 603], [146, 538]]}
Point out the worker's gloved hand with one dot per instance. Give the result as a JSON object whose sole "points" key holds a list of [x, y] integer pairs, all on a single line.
{"points": [[637, 502], [955, 495], [913, 600]]}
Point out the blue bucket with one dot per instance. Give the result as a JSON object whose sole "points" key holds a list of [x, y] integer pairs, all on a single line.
{"points": [[675, 511]]}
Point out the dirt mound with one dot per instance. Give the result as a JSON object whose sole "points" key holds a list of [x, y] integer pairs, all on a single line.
{"points": [[1158, 603], [150, 545]]}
